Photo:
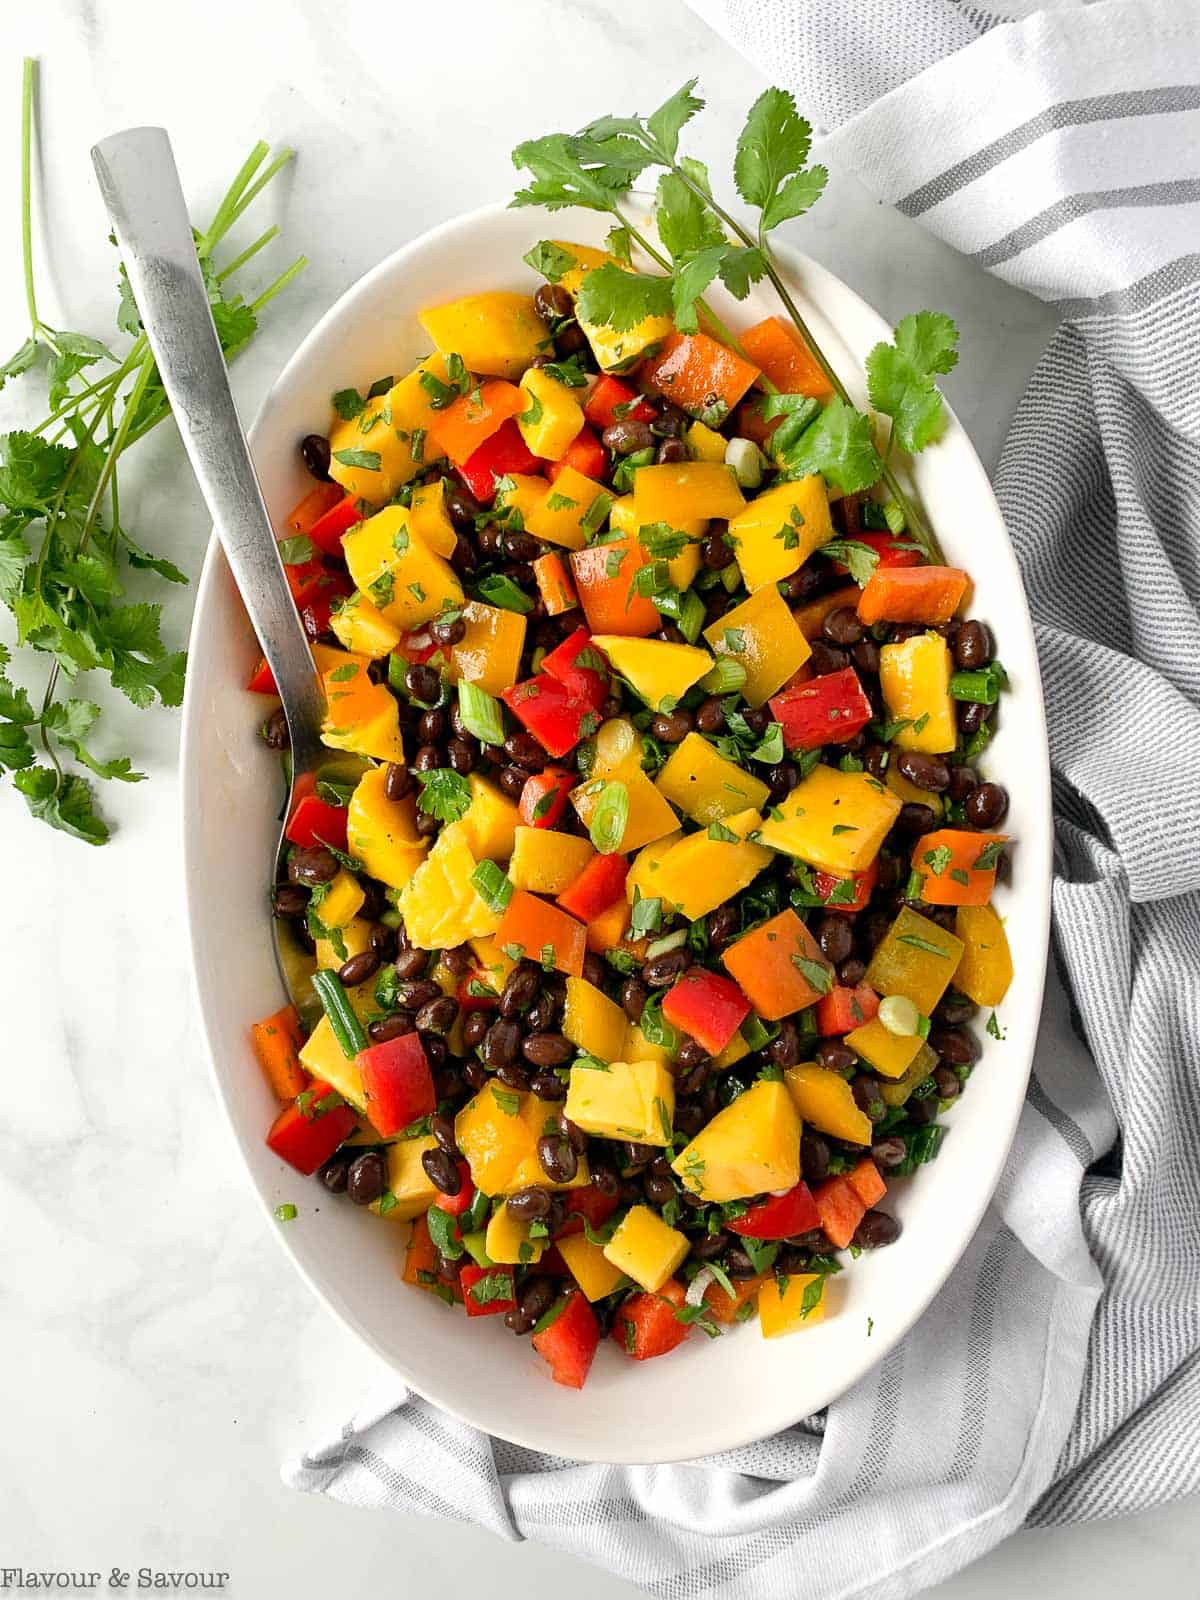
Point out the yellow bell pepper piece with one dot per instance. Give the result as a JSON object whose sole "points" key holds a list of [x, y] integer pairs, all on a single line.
{"points": [[546, 862], [584, 257], [588, 1265], [409, 1189], [384, 431], [496, 334], [763, 635], [836, 821], [914, 677], [704, 443], [889, 1053], [646, 1249], [785, 1304], [407, 581], [682, 569], [986, 968], [571, 508], [382, 833], [699, 873], [348, 941], [489, 824], [364, 630], [736, 1050], [680, 492], [640, 882], [489, 652], [430, 521], [778, 531], [622, 517], [826, 1100], [705, 786], [650, 817], [625, 1100], [639, 1048], [495, 963], [752, 1147], [656, 669], [552, 417], [915, 958], [520, 492], [592, 1022], [341, 901], [896, 1092], [439, 903], [507, 1239], [323, 1057]]}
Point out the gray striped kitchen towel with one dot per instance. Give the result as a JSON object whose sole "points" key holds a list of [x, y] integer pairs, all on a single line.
{"points": [[1057, 1376]]}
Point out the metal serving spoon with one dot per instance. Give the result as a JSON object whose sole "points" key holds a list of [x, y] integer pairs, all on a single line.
{"points": [[141, 189]]}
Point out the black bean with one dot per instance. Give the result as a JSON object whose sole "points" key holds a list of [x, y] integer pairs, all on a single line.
{"points": [[715, 552], [336, 1173], [393, 1027], [411, 964], [474, 1074], [691, 1054], [865, 656], [548, 1086], [670, 634], [535, 1299], [570, 340], [434, 1047], [595, 968], [626, 436], [442, 1129], [691, 1081], [723, 924], [689, 1119], [431, 727], [475, 1025], [671, 450], [868, 1096], [671, 726], [784, 1049], [872, 929], [442, 1170], [523, 750], [922, 1111], [851, 972], [398, 781], [827, 658], [367, 1178], [458, 959], [814, 1157], [738, 1263], [842, 627], [558, 1161], [875, 1230], [800, 584], [448, 632], [837, 1057], [461, 506], [955, 1046], [512, 781], [501, 1043], [972, 645], [289, 900], [422, 683], [757, 719], [547, 1050], [659, 1191], [314, 452], [889, 1152], [530, 1205], [358, 969], [552, 303], [520, 988], [448, 1269], [427, 758], [438, 1016], [312, 866], [274, 730], [962, 781], [834, 937], [634, 995], [915, 818], [513, 1075], [927, 772], [709, 1245], [543, 1013], [414, 993], [575, 1136], [954, 1009], [972, 715], [986, 805], [949, 1084], [710, 715], [670, 422], [907, 630], [665, 968]]}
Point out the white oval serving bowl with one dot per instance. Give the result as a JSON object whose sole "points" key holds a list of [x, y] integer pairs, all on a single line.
{"points": [[710, 1394]]}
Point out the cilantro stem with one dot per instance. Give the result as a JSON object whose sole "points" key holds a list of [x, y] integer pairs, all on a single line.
{"points": [[248, 253], [28, 82]]}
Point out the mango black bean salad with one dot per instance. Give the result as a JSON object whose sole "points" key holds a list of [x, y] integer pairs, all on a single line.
{"points": [[643, 903]]}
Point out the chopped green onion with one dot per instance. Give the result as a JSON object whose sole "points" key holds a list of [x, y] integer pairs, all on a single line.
{"points": [[492, 884], [981, 688], [731, 576], [497, 590], [607, 826], [746, 459], [481, 713], [691, 616], [669, 941], [726, 677], [286, 1213], [343, 1019], [899, 1016]]}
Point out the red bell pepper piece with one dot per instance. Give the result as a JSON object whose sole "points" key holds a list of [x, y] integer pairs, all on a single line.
{"points": [[853, 898], [455, 1204], [315, 588], [487, 1291], [600, 883], [780, 1216], [867, 1182], [262, 679], [585, 453], [891, 550], [579, 667], [840, 1210], [544, 797], [506, 451], [587, 1202], [557, 718], [476, 990], [826, 710], [842, 1009], [312, 821], [708, 1006], [646, 1325], [326, 533], [418, 646], [322, 497], [306, 1133], [611, 400], [569, 1339], [398, 1083]]}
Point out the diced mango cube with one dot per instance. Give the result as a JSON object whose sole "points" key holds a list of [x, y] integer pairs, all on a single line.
{"points": [[552, 417], [700, 872], [785, 1304], [836, 821], [547, 862], [409, 1192], [360, 625], [429, 520], [779, 529], [646, 1249], [630, 1100], [589, 1266], [489, 824], [592, 1022], [751, 1147], [825, 1099], [889, 1053], [571, 508], [496, 334], [323, 1057], [382, 833], [681, 492], [914, 678], [986, 968], [706, 787], [489, 652], [341, 901], [440, 905], [763, 635], [659, 671], [915, 958], [650, 817], [507, 1239]]}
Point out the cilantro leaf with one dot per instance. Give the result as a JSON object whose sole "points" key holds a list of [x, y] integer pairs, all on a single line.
{"points": [[70, 722], [444, 794], [838, 445], [63, 802], [859, 559], [685, 224], [769, 166], [900, 377], [577, 170], [550, 259], [612, 298], [929, 339], [666, 124]]}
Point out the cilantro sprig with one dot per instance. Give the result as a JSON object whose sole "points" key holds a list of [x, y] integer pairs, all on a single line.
{"points": [[66, 556]]}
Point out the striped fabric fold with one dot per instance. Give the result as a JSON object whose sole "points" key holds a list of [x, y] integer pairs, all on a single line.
{"points": [[1059, 147]]}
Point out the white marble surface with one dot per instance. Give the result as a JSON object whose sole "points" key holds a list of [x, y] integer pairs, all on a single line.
{"points": [[157, 1357]]}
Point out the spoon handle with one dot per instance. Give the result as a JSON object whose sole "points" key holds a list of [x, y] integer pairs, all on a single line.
{"points": [[141, 189]]}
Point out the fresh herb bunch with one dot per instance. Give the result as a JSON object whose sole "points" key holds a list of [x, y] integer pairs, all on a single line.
{"points": [[63, 546], [703, 243]]}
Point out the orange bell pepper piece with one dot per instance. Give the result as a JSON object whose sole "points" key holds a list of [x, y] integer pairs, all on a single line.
{"points": [[464, 425], [698, 373], [604, 575], [785, 358], [277, 1043], [949, 861], [779, 966], [840, 1210], [723, 1307], [606, 931], [866, 1182], [810, 617], [544, 933], [554, 584], [313, 507], [912, 594]]}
